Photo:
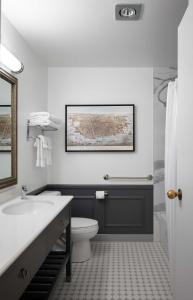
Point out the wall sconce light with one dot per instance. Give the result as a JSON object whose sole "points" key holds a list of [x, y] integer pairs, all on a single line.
{"points": [[9, 60]]}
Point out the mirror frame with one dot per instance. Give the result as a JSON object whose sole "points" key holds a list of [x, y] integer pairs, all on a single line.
{"points": [[12, 180]]}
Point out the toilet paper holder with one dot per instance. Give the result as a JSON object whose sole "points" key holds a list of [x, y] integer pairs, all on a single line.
{"points": [[106, 194], [103, 196]]}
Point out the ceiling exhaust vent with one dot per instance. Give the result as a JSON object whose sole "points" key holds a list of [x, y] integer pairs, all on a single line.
{"points": [[128, 12]]}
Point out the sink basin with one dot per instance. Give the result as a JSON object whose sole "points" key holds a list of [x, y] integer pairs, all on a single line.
{"points": [[26, 207]]}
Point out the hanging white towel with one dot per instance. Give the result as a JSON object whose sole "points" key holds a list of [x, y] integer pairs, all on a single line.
{"points": [[40, 160], [44, 151], [49, 155], [37, 145], [47, 148]]}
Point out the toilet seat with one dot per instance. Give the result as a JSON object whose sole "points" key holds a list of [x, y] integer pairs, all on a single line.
{"points": [[83, 223]]}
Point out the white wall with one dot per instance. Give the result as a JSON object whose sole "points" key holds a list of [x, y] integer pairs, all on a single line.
{"points": [[32, 96], [101, 86]]}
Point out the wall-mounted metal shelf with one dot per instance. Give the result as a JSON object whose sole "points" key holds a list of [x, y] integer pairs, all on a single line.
{"points": [[40, 127]]}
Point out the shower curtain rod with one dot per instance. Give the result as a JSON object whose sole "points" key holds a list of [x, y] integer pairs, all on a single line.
{"points": [[165, 85]]}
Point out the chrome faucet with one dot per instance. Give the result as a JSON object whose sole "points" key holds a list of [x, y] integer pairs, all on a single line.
{"points": [[23, 192]]}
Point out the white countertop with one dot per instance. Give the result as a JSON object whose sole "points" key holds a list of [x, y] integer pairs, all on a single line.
{"points": [[17, 232]]}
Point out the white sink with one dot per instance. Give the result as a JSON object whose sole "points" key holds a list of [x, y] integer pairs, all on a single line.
{"points": [[25, 207]]}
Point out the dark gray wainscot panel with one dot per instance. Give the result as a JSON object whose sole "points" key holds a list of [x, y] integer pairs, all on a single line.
{"points": [[128, 209]]}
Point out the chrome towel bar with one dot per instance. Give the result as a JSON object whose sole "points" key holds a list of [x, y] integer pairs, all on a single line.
{"points": [[108, 177]]}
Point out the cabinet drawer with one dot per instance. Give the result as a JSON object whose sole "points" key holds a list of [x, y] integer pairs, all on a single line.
{"points": [[24, 268]]}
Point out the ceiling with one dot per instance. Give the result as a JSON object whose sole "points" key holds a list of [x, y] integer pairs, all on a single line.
{"points": [[84, 33]]}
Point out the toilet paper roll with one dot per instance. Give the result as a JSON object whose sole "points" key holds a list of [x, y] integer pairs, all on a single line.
{"points": [[100, 194]]}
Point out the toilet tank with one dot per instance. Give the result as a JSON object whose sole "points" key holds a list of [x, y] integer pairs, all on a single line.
{"points": [[51, 193]]}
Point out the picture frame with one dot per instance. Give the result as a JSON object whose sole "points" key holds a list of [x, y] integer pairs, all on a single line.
{"points": [[5, 128], [100, 128]]}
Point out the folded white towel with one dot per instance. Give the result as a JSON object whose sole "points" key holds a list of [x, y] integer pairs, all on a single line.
{"points": [[43, 117], [40, 113], [44, 123]]}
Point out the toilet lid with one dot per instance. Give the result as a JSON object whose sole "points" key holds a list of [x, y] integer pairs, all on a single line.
{"points": [[77, 223]]}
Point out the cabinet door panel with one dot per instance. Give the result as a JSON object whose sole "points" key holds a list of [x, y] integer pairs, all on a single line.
{"points": [[124, 212]]}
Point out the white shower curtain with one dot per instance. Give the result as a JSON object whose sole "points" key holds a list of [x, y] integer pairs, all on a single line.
{"points": [[171, 167]]}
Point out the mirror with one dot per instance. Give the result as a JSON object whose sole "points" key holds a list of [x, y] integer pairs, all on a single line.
{"points": [[8, 129]]}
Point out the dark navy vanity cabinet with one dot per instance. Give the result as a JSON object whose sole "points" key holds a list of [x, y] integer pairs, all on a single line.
{"points": [[36, 269]]}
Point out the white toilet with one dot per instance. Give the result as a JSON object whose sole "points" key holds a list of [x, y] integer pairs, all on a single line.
{"points": [[82, 230]]}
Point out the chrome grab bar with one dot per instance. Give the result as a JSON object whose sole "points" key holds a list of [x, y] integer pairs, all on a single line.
{"points": [[108, 177]]}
